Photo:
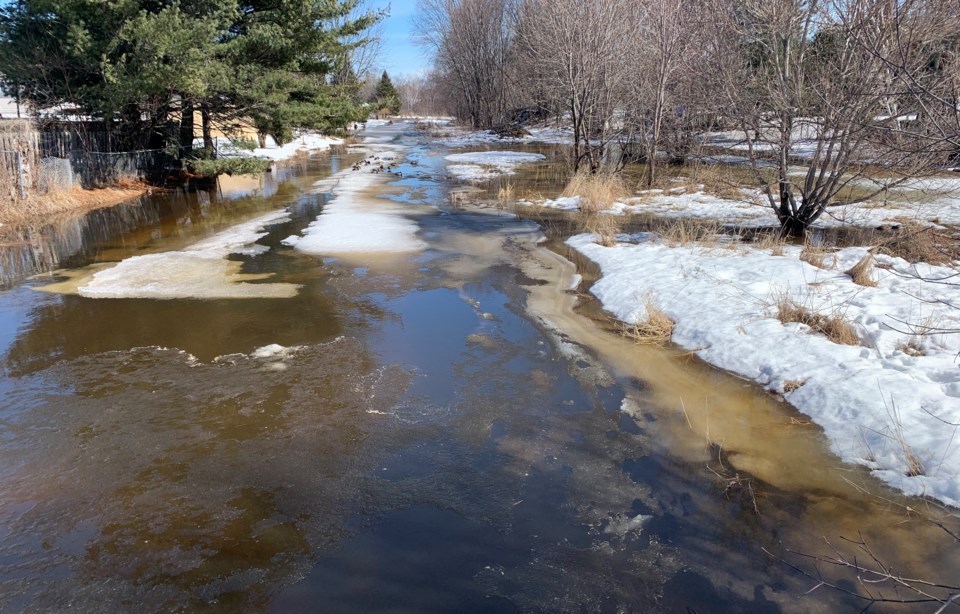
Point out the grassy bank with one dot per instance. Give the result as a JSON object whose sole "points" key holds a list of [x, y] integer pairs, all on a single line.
{"points": [[37, 207]]}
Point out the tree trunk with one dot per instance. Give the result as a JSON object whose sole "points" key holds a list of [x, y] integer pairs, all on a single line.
{"points": [[186, 128], [207, 130]]}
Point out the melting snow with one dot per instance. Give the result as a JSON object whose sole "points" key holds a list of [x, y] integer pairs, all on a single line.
{"points": [[877, 403], [480, 165], [200, 271]]}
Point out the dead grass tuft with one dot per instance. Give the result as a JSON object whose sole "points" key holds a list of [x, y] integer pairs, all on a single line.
{"points": [[916, 243], [718, 180], [912, 463], [772, 241], [655, 329], [684, 231], [793, 384], [862, 272], [915, 345], [597, 192], [912, 347], [816, 255], [606, 227], [834, 326], [506, 194]]}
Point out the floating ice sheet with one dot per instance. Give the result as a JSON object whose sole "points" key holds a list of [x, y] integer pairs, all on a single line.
{"points": [[201, 271], [480, 165]]}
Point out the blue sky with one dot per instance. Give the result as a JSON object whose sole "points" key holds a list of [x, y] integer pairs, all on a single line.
{"points": [[399, 55]]}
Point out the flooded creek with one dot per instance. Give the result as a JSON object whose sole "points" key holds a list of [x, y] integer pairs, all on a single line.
{"points": [[446, 429]]}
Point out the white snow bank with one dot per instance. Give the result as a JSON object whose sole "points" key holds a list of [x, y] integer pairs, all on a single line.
{"points": [[485, 164], [200, 271], [679, 203], [352, 223], [877, 403], [309, 142]]}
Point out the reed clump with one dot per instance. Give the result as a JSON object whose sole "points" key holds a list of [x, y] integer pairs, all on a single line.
{"points": [[597, 192]]}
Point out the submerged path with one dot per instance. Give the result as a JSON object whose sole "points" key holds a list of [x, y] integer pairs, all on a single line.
{"points": [[424, 424]]}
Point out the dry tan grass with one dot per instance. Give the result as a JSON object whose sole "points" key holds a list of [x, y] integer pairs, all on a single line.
{"points": [[685, 231], [926, 327], [655, 329], [914, 467], [506, 194], [912, 347], [719, 180], [39, 205], [817, 255], [771, 241], [793, 384], [597, 192], [603, 225], [862, 272], [916, 243], [834, 326]]}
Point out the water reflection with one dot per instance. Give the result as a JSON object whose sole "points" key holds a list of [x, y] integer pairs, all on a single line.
{"points": [[158, 221]]}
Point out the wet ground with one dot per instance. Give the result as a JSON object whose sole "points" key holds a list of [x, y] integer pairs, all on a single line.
{"points": [[436, 431]]}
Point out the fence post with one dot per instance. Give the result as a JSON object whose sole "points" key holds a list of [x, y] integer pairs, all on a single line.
{"points": [[20, 182]]}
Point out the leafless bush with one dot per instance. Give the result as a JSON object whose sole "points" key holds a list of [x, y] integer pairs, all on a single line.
{"points": [[790, 89]]}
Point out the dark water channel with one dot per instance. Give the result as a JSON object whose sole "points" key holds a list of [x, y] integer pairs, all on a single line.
{"points": [[415, 442]]}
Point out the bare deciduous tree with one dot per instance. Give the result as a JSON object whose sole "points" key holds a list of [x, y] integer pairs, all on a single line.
{"points": [[472, 42], [579, 52], [811, 92], [663, 57]]}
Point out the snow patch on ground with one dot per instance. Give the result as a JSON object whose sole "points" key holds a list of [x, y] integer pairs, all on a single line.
{"points": [[308, 142], [878, 404], [201, 271]]}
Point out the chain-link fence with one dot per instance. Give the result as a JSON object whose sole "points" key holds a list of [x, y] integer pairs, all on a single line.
{"points": [[55, 174], [63, 155], [21, 173], [95, 169]]}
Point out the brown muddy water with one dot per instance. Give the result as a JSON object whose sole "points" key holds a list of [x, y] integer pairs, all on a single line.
{"points": [[445, 431]]}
